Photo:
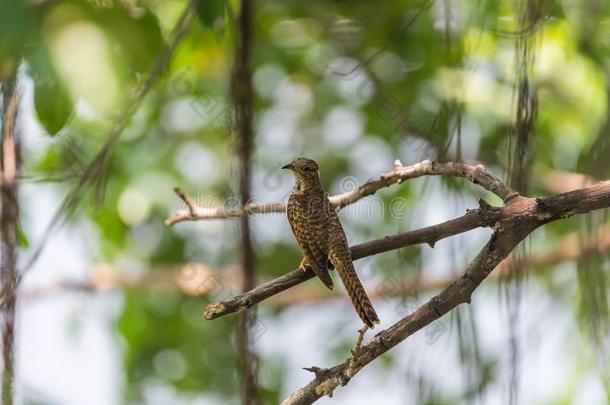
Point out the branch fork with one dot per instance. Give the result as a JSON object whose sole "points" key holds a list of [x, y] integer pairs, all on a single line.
{"points": [[511, 223]]}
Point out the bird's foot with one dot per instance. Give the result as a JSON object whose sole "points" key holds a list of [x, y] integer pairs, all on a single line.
{"points": [[304, 264]]}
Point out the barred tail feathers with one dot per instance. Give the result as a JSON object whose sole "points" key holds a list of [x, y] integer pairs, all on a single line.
{"points": [[360, 300]]}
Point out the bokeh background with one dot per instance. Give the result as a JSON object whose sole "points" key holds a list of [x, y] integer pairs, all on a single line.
{"points": [[110, 305]]}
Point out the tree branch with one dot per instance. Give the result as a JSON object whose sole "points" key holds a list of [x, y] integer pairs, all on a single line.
{"points": [[571, 247], [518, 219], [484, 216], [511, 223], [458, 292], [476, 174], [198, 279]]}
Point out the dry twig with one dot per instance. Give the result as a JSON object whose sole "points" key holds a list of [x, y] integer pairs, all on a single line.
{"points": [[476, 174]]}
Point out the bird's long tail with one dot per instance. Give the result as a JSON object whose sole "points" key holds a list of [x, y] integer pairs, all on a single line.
{"points": [[356, 292]]}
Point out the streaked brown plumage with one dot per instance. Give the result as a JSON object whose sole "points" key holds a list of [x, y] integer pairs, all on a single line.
{"points": [[321, 237]]}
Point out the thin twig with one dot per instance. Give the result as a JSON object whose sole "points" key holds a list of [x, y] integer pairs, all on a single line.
{"points": [[351, 368], [190, 203]]}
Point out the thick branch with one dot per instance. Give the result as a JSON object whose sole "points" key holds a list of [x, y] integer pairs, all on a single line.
{"points": [[458, 292], [520, 217], [485, 216], [571, 247], [476, 174], [542, 209], [200, 280]]}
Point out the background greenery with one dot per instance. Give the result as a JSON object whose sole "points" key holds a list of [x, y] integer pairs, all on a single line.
{"points": [[354, 85]]}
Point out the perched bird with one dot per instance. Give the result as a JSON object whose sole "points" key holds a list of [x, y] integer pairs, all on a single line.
{"points": [[321, 237]]}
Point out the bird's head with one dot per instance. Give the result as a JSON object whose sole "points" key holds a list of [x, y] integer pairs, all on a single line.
{"points": [[305, 170]]}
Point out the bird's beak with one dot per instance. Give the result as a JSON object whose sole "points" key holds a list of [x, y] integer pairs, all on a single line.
{"points": [[289, 166]]}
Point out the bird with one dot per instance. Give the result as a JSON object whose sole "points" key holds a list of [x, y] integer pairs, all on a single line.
{"points": [[321, 238]]}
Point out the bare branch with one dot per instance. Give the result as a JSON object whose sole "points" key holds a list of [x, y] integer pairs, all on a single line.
{"points": [[476, 174], [571, 247], [520, 217], [458, 292], [485, 216], [187, 200], [198, 279], [192, 278], [222, 212]]}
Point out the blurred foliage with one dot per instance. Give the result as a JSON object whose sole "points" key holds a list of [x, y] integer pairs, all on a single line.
{"points": [[354, 85]]}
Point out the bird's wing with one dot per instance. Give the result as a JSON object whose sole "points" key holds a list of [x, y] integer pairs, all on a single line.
{"points": [[311, 232]]}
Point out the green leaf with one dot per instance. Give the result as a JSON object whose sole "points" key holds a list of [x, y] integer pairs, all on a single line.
{"points": [[22, 239], [209, 10], [18, 25], [138, 39], [53, 104], [229, 23]]}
